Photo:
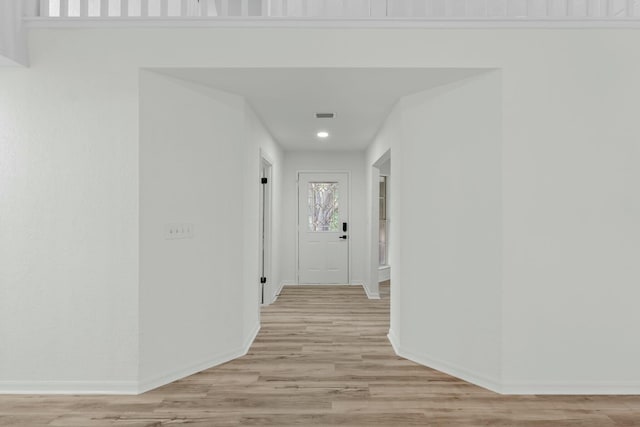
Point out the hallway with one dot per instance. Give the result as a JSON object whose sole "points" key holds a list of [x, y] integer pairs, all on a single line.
{"points": [[321, 358]]}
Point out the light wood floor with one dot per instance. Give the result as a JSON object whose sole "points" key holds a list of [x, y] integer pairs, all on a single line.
{"points": [[321, 358]]}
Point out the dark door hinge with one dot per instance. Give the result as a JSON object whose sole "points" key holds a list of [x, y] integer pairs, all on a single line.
{"points": [[263, 180], [263, 280]]}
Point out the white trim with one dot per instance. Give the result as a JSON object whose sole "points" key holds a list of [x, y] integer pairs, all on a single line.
{"points": [[276, 292], [373, 220], [393, 339], [367, 23], [69, 387], [448, 368], [323, 284], [384, 273], [518, 388], [124, 387], [249, 341], [581, 388], [266, 213], [370, 295], [174, 375]]}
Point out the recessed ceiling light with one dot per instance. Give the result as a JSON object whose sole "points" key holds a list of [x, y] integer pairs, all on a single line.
{"points": [[323, 134]]}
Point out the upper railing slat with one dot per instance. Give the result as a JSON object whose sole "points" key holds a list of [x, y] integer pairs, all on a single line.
{"points": [[144, 8], [104, 9], [64, 8], [351, 9], [44, 8]]}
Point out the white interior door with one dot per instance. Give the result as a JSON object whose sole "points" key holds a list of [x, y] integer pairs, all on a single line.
{"points": [[323, 230], [265, 231]]}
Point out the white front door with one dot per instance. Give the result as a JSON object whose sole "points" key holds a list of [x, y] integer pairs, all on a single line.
{"points": [[323, 230]]}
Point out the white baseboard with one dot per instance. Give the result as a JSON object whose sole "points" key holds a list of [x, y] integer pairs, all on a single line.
{"points": [[69, 387], [448, 368], [559, 388], [370, 295], [384, 273], [323, 284], [250, 339], [174, 375], [393, 340], [277, 291], [519, 388], [124, 387]]}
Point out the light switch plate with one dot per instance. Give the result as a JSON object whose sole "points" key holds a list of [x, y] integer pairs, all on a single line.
{"points": [[179, 230]]}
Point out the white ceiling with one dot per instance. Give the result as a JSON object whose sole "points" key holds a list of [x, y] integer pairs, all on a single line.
{"points": [[286, 99]]}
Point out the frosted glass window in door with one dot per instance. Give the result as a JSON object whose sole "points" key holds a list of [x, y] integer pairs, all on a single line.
{"points": [[324, 214]]}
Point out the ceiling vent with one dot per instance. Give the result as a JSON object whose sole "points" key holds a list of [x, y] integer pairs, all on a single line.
{"points": [[325, 115]]}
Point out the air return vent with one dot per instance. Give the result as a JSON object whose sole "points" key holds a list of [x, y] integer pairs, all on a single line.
{"points": [[325, 115]]}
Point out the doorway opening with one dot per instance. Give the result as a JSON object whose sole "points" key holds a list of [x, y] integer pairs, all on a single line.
{"points": [[384, 228], [265, 227], [381, 226]]}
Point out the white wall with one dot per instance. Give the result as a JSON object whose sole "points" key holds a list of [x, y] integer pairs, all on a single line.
{"points": [[191, 146], [13, 42], [69, 154], [571, 196], [569, 240], [200, 154], [69, 225], [70, 282], [295, 161], [449, 209]]}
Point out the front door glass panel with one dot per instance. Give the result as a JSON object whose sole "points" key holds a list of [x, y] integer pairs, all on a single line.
{"points": [[324, 207]]}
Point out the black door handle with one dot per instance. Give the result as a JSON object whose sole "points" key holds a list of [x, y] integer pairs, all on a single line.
{"points": [[343, 237]]}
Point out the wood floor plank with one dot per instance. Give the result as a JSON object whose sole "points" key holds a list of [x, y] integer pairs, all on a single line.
{"points": [[322, 358]]}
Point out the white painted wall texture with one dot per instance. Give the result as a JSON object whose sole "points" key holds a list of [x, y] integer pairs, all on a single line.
{"points": [[13, 42], [568, 238], [200, 151], [449, 209], [570, 199], [191, 143], [69, 229], [571, 204]]}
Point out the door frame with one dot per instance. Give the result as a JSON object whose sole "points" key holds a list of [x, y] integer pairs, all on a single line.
{"points": [[266, 226], [298, 172], [373, 291]]}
